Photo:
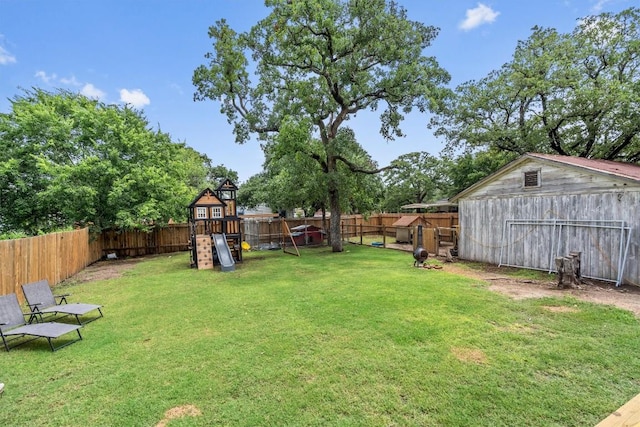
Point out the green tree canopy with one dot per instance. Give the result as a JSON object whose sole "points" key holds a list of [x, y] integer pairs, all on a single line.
{"points": [[67, 160], [297, 178], [571, 94], [320, 62], [218, 173], [254, 191], [471, 167], [417, 178]]}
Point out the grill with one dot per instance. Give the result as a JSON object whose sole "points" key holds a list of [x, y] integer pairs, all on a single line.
{"points": [[420, 254]]}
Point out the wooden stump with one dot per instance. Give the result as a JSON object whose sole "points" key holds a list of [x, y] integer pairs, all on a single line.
{"points": [[569, 266]]}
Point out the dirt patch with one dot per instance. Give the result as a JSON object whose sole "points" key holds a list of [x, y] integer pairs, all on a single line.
{"points": [[469, 355], [104, 270], [179, 412], [625, 297]]}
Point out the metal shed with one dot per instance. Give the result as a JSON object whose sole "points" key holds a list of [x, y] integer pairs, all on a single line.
{"points": [[542, 206]]}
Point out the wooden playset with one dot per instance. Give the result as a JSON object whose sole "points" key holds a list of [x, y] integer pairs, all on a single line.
{"points": [[214, 228]]}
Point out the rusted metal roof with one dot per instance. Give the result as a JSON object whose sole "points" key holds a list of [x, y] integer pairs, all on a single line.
{"points": [[625, 170], [443, 204]]}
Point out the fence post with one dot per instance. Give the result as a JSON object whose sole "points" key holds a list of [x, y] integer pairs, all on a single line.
{"points": [[360, 233], [384, 236], [156, 238]]}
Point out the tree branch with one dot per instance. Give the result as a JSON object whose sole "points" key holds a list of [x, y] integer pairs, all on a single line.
{"points": [[355, 168]]}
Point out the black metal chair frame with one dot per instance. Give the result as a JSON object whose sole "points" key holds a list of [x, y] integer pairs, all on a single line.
{"points": [[41, 301], [13, 326]]}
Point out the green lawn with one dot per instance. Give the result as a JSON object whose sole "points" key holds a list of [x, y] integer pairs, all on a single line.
{"points": [[359, 338]]}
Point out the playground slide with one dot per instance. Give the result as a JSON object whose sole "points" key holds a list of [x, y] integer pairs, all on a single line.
{"points": [[224, 253]]}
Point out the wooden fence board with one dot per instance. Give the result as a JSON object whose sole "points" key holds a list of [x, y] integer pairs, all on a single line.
{"points": [[54, 257]]}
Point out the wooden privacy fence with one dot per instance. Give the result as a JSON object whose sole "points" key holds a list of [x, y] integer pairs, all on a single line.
{"points": [[257, 231], [54, 257], [132, 243], [377, 230], [434, 240], [433, 220]]}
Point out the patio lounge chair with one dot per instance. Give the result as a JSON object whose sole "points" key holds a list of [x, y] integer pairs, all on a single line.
{"points": [[42, 301], [13, 326]]}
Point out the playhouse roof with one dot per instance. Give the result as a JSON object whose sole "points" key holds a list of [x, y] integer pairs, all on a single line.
{"points": [[206, 197], [226, 185]]}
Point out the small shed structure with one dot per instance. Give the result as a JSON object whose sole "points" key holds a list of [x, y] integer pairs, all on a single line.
{"points": [[307, 234], [542, 206], [404, 227]]}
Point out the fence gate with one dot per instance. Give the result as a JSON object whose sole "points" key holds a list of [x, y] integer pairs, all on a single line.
{"points": [[252, 232], [535, 244]]}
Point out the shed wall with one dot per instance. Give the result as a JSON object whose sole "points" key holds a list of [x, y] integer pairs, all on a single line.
{"points": [[482, 224], [553, 180]]}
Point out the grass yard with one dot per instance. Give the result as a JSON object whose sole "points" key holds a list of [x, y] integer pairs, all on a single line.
{"points": [[359, 338], [370, 238]]}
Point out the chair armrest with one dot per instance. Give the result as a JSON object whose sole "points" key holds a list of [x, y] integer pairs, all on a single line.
{"points": [[63, 298], [33, 315], [34, 307]]}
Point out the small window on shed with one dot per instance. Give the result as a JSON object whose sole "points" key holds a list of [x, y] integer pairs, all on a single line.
{"points": [[532, 179]]}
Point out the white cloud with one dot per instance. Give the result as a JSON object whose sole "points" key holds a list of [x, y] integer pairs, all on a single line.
{"points": [[90, 91], [47, 78], [482, 14], [6, 57], [135, 97], [71, 81], [599, 5], [176, 87]]}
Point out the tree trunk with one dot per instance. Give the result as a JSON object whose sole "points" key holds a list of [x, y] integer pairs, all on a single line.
{"points": [[324, 223], [334, 229]]}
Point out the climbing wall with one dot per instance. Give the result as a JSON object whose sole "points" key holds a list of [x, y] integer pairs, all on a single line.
{"points": [[204, 253]]}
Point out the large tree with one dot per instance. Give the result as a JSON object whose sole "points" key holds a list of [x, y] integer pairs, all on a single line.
{"points": [[320, 62], [68, 160], [470, 167], [298, 177], [417, 178], [254, 191], [291, 178], [572, 94], [218, 173]]}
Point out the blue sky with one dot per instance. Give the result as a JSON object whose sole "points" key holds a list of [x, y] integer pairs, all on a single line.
{"points": [[143, 52]]}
